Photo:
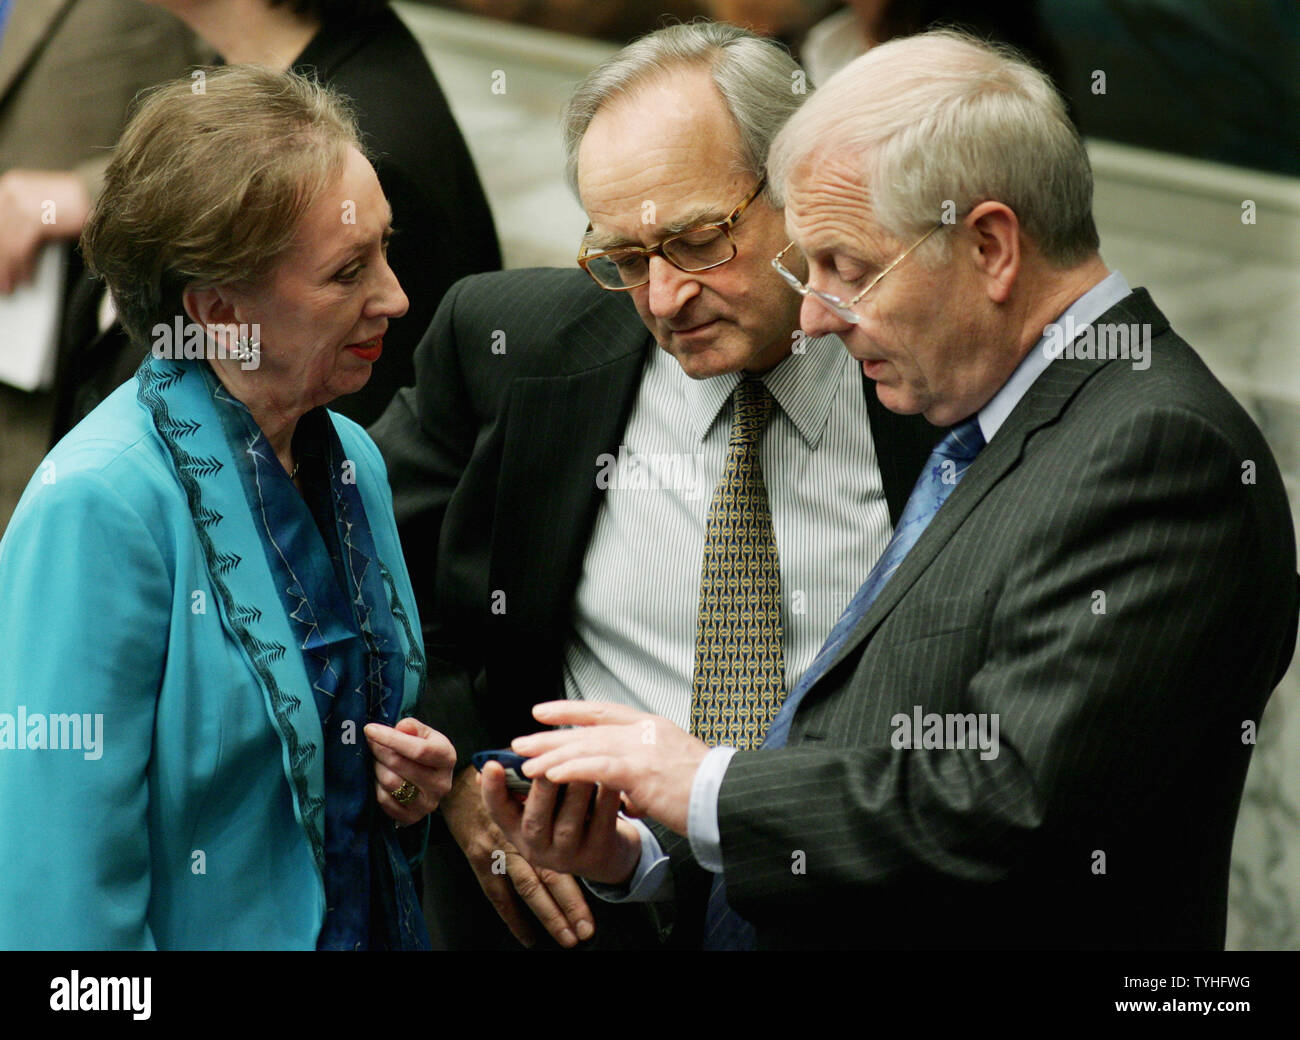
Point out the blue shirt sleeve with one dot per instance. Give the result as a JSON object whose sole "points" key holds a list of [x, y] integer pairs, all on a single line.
{"points": [[651, 882], [702, 817]]}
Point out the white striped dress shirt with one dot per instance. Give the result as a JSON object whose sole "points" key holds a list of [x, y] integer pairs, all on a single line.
{"points": [[637, 603]]}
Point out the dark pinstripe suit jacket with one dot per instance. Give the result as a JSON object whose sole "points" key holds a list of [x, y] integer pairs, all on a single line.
{"points": [[523, 379], [1106, 818]]}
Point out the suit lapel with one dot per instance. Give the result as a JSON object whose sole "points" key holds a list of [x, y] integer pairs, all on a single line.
{"points": [[557, 428], [1041, 405], [31, 23]]}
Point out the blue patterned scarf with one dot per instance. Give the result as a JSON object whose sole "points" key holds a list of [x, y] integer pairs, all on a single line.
{"points": [[341, 608]]}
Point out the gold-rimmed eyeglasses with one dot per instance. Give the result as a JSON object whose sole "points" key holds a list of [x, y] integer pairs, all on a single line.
{"points": [[843, 310], [696, 249]]}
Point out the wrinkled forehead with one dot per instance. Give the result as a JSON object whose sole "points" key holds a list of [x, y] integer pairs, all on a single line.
{"points": [[828, 203], [662, 154], [351, 196], [677, 111]]}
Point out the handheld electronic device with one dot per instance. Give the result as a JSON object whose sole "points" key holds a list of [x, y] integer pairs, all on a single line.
{"points": [[516, 782]]}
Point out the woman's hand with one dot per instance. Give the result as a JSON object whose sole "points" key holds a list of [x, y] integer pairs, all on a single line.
{"points": [[410, 753]]}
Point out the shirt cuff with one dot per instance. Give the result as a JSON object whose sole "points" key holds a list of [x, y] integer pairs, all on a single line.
{"points": [[702, 816], [651, 882]]}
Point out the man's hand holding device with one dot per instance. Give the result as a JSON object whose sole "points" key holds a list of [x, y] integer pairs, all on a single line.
{"points": [[574, 828], [508, 880]]}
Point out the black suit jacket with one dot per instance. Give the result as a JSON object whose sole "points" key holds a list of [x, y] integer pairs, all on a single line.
{"points": [[524, 378], [1106, 819]]}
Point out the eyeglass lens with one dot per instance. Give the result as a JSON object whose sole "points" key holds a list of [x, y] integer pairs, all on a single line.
{"points": [[692, 251]]}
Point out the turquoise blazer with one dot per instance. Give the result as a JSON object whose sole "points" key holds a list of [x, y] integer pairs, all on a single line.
{"points": [[161, 780]]}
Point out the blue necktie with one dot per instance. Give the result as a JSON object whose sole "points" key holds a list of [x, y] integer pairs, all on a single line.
{"points": [[947, 464]]}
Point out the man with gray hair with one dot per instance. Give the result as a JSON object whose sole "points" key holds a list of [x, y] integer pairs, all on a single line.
{"points": [[1032, 723], [636, 482]]}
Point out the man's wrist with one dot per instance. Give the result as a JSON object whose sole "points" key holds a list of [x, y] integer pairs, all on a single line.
{"points": [[457, 805], [633, 850], [629, 857], [651, 881]]}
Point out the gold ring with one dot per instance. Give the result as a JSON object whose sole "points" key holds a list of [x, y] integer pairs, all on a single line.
{"points": [[405, 793]]}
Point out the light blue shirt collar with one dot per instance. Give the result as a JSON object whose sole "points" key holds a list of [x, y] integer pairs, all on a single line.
{"points": [[1084, 311]]}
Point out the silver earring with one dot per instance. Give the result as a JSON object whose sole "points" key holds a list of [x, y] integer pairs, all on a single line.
{"points": [[248, 349]]}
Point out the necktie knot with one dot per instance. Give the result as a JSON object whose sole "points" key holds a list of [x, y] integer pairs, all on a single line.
{"points": [[751, 408], [962, 442]]}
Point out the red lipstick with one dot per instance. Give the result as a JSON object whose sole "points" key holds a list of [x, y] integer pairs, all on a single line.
{"points": [[369, 350]]}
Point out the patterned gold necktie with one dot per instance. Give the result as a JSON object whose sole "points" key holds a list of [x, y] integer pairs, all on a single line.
{"points": [[739, 663]]}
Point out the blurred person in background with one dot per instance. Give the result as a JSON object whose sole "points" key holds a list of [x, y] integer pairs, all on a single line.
{"points": [[1211, 79], [68, 71], [826, 40], [618, 20], [836, 40]]}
